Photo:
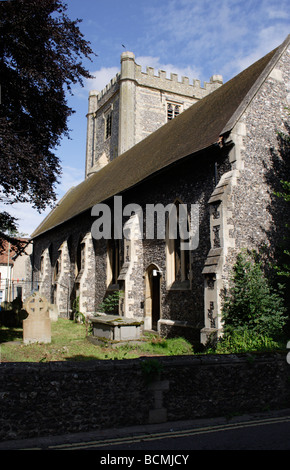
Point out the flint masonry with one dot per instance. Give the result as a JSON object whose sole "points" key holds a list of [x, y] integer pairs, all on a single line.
{"points": [[153, 139]]}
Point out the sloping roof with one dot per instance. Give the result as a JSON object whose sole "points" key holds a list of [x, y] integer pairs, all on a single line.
{"points": [[197, 128]]}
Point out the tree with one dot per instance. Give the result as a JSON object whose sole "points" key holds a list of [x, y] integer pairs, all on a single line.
{"points": [[41, 53], [283, 269], [251, 303], [282, 195]]}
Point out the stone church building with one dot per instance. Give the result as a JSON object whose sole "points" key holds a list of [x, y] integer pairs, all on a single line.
{"points": [[157, 142]]}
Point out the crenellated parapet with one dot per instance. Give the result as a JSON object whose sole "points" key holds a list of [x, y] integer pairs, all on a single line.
{"points": [[109, 88], [172, 84], [185, 86]]}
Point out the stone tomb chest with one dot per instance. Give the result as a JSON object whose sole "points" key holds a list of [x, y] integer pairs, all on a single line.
{"points": [[115, 328]]}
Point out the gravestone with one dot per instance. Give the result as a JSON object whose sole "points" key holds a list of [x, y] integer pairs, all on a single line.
{"points": [[37, 327]]}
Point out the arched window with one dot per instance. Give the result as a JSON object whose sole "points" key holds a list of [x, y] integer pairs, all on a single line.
{"points": [[113, 265], [80, 259], [56, 269], [178, 258], [42, 261]]}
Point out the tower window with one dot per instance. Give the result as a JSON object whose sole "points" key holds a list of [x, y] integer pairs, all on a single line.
{"points": [[172, 111], [169, 112], [108, 131]]}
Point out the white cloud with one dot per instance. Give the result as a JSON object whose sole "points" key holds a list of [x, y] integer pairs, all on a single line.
{"points": [[216, 37], [151, 61], [277, 13], [101, 78], [267, 39]]}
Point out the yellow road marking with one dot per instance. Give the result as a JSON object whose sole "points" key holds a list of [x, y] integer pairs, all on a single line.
{"points": [[168, 434]]}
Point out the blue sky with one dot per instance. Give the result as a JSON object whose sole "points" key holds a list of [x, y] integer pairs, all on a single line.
{"points": [[189, 37]]}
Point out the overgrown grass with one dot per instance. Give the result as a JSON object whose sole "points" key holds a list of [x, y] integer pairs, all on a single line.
{"points": [[69, 343], [244, 342]]}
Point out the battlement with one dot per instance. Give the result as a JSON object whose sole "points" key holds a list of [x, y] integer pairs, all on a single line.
{"points": [[100, 94], [132, 71], [172, 84]]}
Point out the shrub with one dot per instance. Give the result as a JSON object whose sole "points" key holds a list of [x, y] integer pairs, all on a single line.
{"points": [[110, 304], [251, 303], [245, 341], [151, 369]]}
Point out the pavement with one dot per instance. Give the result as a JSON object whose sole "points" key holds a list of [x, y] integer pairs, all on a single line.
{"points": [[70, 440]]}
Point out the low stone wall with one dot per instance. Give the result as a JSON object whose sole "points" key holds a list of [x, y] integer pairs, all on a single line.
{"points": [[62, 397]]}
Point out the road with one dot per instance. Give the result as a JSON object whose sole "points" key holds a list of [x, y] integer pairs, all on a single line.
{"points": [[260, 434], [268, 431]]}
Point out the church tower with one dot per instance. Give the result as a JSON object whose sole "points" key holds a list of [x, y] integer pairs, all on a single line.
{"points": [[133, 105]]}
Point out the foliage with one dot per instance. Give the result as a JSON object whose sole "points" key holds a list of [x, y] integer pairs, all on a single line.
{"points": [[245, 341], [77, 315], [281, 200], [283, 269], [151, 369], [12, 313], [40, 58], [111, 302], [251, 303]]}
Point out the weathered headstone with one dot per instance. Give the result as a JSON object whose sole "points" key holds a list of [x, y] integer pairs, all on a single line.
{"points": [[53, 312], [37, 327]]}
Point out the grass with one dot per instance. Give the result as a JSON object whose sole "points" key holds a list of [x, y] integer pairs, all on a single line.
{"points": [[69, 343]]}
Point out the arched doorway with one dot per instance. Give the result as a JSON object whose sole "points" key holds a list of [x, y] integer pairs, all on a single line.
{"points": [[152, 297]]}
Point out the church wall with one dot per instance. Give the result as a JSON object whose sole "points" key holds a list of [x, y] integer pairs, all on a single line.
{"points": [[182, 309], [66, 236], [245, 213], [192, 183], [259, 216]]}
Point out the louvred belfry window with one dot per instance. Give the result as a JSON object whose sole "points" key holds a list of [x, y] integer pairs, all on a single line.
{"points": [[108, 125], [172, 111], [169, 112]]}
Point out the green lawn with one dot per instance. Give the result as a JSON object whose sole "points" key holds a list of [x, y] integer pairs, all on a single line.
{"points": [[69, 343]]}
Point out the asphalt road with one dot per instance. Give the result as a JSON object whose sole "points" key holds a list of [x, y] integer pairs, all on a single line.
{"points": [[260, 434], [168, 443]]}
